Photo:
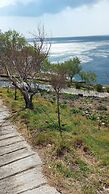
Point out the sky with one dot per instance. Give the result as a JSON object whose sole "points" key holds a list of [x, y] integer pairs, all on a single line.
{"points": [[59, 17]]}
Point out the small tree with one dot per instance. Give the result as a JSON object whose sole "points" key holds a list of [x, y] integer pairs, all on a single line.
{"points": [[22, 62], [58, 83], [88, 76], [73, 67], [8, 42]]}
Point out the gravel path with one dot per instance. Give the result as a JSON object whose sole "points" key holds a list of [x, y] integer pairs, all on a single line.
{"points": [[20, 166]]}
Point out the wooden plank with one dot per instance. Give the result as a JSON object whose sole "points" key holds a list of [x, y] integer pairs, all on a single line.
{"points": [[19, 166], [14, 156], [12, 148], [46, 189], [10, 141], [22, 182]]}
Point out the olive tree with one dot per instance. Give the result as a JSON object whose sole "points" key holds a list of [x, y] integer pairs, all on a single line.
{"points": [[22, 61], [88, 76], [73, 67]]}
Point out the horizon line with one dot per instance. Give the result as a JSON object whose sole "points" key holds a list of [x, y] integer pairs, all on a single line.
{"points": [[81, 36]]}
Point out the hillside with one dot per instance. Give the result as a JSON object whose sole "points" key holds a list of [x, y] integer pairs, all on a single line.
{"points": [[76, 160]]}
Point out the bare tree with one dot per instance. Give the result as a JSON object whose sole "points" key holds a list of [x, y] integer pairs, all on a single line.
{"points": [[58, 83], [22, 62]]}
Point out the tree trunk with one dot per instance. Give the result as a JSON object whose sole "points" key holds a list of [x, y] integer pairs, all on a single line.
{"points": [[15, 93], [58, 112], [71, 79], [28, 100]]}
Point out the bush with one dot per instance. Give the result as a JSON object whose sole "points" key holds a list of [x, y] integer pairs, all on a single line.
{"points": [[102, 108], [63, 106], [107, 89], [75, 111], [69, 84], [92, 117], [78, 85], [99, 88], [70, 96]]}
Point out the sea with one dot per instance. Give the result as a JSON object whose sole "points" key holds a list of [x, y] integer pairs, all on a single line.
{"points": [[93, 52]]}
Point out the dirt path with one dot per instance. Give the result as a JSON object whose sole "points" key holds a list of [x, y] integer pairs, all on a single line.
{"points": [[90, 93], [20, 166]]}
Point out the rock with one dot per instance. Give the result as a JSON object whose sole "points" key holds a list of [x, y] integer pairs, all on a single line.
{"points": [[103, 124]]}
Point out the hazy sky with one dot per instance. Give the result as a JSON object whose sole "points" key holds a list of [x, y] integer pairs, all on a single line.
{"points": [[60, 17]]}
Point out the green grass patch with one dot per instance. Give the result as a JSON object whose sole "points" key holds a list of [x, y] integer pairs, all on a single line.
{"points": [[64, 154]]}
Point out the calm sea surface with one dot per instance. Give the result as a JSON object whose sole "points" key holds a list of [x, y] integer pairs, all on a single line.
{"points": [[93, 52]]}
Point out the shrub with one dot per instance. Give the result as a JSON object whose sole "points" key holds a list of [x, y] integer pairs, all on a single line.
{"points": [[75, 111], [70, 96], [63, 106], [92, 117], [78, 85], [102, 108], [107, 89], [99, 88]]}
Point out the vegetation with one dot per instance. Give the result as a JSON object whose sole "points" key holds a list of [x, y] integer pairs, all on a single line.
{"points": [[79, 162], [78, 158], [72, 67], [99, 88], [22, 62], [88, 76], [58, 83]]}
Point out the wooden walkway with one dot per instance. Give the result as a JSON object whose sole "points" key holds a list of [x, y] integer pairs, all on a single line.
{"points": [[20, 167]]}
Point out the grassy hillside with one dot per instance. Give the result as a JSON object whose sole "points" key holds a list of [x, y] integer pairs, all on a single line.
{"points": [[77, 161]]}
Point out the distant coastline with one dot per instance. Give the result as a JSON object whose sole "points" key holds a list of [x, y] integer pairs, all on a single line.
{"points": [[75, 38]]}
